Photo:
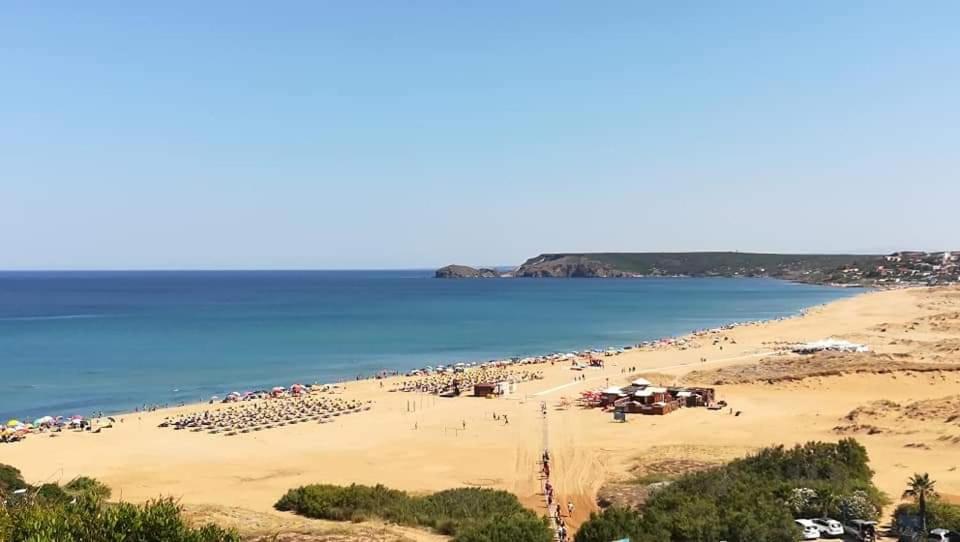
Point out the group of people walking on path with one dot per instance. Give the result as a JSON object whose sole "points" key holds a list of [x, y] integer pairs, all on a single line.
{"points": [[554, 508]]}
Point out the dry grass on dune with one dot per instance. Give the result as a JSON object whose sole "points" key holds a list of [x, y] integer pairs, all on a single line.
{"points": [[790, 368], [663, 463], [884, 416], [276, 527]]}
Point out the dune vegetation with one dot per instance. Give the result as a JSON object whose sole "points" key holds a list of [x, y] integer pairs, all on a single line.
{"points": [[78, 512], [467, 514], [749, 499]]}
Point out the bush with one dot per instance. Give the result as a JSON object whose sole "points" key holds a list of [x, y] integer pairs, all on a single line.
{"points": [[77, 512], [749, 499], [940, 515], [520, 527], [612, 524], [52, 494], [90, 519], [83, 485], [10, 480], [478, 514]]}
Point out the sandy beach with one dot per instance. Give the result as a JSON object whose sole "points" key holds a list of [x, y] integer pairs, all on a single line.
{"points": [[893, 399]]}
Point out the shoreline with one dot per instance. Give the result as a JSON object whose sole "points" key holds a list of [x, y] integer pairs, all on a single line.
{"points": [[538, 359]]}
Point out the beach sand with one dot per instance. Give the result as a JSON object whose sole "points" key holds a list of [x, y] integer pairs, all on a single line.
{"points": [[429, 450]]}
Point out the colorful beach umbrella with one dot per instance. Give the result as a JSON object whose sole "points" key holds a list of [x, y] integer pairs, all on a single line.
{"points": [[13, 423]]}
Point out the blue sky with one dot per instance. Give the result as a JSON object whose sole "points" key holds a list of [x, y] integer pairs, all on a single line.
{"points": [[415, 134]]}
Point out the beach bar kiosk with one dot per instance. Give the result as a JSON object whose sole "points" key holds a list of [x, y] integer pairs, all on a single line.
{"points": [[611, 395], [485, 389]]}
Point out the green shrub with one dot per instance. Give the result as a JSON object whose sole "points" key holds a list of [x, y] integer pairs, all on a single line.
{"points": [[463, 512], [90, 519], [52, 494], [77, 512], [10, 479], [520, 527], [614, 523], [83, 485], [940, 515]]}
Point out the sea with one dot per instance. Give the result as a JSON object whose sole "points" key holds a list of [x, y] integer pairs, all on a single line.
{"points": [[82, 342]]}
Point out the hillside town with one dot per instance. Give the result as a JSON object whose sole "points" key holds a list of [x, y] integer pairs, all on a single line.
{"points": [[908, 268]]}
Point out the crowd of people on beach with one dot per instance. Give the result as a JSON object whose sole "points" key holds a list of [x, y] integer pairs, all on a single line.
{"points": [[268, 413], [440, 383], [15, 430]]}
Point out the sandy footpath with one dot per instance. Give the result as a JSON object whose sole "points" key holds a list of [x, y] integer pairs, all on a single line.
{"points": [[429, 449]]}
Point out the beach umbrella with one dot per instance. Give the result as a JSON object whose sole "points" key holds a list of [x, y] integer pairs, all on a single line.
{"points": [[13, 423], [76, 417], [42, 420]]}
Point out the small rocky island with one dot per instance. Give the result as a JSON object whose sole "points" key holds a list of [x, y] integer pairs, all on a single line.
{"points": [[465, 272]]}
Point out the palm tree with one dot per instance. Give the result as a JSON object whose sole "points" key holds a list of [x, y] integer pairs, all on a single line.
{"points": [[920, 488]]}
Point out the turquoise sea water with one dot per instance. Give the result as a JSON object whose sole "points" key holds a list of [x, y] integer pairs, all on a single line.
{"points": [[84, 341]]}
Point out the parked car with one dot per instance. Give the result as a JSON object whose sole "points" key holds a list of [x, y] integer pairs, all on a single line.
{"points": [[829, 528], [810, 531], [943, 535], [861, 529]]}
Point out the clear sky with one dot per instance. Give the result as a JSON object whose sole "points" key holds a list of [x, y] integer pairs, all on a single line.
{"points": [[398, 134]]}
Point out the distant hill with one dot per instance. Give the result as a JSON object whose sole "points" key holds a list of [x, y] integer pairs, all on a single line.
{"points": [[697, 264], [851, 269]]}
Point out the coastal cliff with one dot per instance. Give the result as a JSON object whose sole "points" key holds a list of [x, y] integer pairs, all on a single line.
{"points": [[465, 272], [569, 265]]}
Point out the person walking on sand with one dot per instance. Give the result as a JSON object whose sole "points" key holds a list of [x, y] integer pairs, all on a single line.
{"points": [[570, 508], [464, 425], [506, 420]]}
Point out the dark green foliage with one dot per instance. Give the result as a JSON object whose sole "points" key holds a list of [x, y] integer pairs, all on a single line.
{"points": [[940, 515], [77, 512], [743, 501], [346, 503], [519, 527], [83, 485], [90, 519], [10, 480], [612, 524], [477, 514], [52, 494]]}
